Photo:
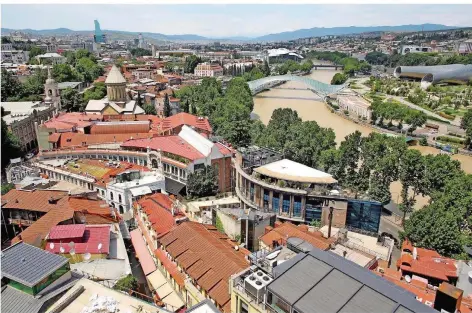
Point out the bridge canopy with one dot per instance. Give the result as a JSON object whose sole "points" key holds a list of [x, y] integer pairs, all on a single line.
{"points": [[318, 87]]}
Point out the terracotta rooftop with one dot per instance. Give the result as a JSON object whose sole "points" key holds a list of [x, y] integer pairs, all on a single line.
{"points": [[286, 230], [206, 255], [68, 140], [35, 200], [91, 237], [186, 119], [158, 208], [120, 128], [169, 144], [428, 263]]}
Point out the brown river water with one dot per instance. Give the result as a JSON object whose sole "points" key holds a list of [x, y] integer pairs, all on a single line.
{"points": [[310, 109]]}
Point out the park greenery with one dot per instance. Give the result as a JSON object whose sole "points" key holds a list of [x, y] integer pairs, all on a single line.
{"points": [[393, 111], [466, 123], [414, 59], [96, 92], [202, 182], [446, 101], [351, 65], [291, 66], [339, 79], [140, 52]]}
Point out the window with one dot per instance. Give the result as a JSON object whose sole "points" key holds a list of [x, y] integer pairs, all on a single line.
{"points": [[244, 307], [275, 202], [119, 198], [297, 206], [251, 191], [286, 203], [266, 198], [111, 195], [121, 209]]}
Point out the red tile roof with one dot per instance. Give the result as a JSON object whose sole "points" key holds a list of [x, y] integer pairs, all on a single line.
{"points": [[68, 140], [428, 263], [169, 144], [224, 149], [54, 137], [158, 208], [287, 230], [120, 128], [170, 267], [183, 118], [35, 200], [67, 231], [93, 236], [206, 255]]}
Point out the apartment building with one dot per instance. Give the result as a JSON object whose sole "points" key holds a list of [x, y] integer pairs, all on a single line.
{"points": [[208, 70]]}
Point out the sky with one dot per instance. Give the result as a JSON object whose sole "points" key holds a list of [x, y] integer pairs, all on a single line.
{"points": [[226, 20]]}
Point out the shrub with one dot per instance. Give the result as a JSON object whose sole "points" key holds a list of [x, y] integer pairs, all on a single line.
{"points": [[423, 141], [126, 283], [447, 116], [282, 183], [346, 112], [450, 139]]}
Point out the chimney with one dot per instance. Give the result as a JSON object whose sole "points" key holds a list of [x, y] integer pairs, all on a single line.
{"points": [[448, 298]]}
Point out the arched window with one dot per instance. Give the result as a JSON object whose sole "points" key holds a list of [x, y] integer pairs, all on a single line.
{"points": [[50, 92], [121, 209], [111, 195], [119, 198]]}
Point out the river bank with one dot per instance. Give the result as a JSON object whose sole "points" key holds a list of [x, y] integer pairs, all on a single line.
{"points": [[300, 100]]}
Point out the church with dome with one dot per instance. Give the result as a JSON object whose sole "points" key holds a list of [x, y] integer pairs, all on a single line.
{"points": [[116, 101]]}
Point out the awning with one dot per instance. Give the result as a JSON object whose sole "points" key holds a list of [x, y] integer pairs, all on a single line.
{"points": [[174, 187], [145, 258], [140, 191], [164, 290]]}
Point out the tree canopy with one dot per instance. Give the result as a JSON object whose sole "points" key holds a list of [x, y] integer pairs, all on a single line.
{"points": [[72, 100], [10, 146], [203, 182], [191, 63], [466, 123]]}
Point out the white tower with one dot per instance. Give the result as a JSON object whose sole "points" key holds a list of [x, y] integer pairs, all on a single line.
{"points": [[51, 90]]}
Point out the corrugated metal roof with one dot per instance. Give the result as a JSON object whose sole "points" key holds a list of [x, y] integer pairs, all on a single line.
{"points": [[14, 301], [322, 281], [28, 265]]}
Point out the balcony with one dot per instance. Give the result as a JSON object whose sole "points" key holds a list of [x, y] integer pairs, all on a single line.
{"points": [[19, 221]]}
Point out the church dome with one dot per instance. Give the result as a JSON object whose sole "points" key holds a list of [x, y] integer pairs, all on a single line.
{"points": [[115, 76]]}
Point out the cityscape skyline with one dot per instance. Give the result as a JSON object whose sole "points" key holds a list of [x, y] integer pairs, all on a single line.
{"points": [[232, 20]]}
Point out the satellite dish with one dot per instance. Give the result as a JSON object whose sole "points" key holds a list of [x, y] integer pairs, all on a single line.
{"points": [[51, 245], [72, 251], [62, 250], [408, 278], [71, 244], [87, 256], [100, 246]]}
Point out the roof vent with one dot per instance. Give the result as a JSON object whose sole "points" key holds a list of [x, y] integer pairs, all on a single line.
{"points": [[23, 260]]}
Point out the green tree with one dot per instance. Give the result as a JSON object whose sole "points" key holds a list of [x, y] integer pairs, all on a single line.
{"points": [[238, 89], [150, 109], [257, 132], [88, 69], [338, 79], [10, 146], [411, 176], [6, 188], [186, 106], [203, 183], [34, 51], [11, 87], [266, 68], [191, 63], [167, 109], [279, 123], [126, 283], [66, 73], [231, 120], [139, 52], [434, 227], [439, 169], [98, 91], [72, 100], [377, 58], [306, 140], [466, 124]]}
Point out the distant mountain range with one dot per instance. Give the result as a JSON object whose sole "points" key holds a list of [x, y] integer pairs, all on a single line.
{"points": [[283, 36]]}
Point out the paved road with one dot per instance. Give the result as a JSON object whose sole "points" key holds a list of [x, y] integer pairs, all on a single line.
{"points": [[414, 106]]}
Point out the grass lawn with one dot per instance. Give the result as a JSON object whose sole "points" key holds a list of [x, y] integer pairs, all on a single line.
{"points": [[95, 171]]}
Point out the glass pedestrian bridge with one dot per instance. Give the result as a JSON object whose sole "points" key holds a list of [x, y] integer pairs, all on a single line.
{"points": [[318, 87]]}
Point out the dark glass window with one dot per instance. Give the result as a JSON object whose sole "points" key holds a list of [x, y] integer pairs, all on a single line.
{"points": [[297, 206], [286, 203], [275, 202]]}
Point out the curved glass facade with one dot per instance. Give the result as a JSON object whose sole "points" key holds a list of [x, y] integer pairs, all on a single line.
{"points": [[452, 73]]}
